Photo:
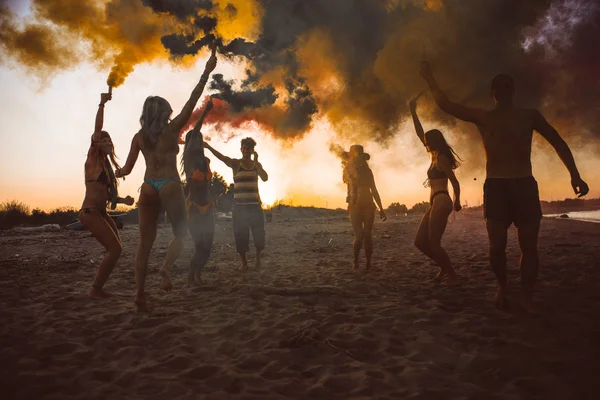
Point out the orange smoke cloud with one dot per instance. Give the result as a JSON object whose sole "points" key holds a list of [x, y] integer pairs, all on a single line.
{"points": [[321, 64], [60, 34], [35, 45], [238, 18]]}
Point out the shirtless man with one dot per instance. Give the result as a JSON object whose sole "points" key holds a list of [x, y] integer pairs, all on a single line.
{"points": [[510, 191], [247, 211]]}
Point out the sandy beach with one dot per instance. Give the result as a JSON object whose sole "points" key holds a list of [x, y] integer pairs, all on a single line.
{"points": [[305, 325]]}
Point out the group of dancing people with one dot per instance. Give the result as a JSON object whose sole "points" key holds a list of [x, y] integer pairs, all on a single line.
{"points": [[193, 210], [510, 191]]}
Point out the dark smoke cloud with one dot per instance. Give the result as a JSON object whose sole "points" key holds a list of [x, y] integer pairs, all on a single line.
{"points": [[301, 105], [378, 45], [181, 45], [181, 9], [353, 61], [242, 99], [237, 47]]}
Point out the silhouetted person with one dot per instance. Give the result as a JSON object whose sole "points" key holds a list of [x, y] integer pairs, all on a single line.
{"points": [[510, 191], [247, 211], [200, 207], [433, 224], [100, 188], [361, 192], [158, 141]]}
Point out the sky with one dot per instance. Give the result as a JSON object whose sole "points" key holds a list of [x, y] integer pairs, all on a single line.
{"points": [[47, 121]]}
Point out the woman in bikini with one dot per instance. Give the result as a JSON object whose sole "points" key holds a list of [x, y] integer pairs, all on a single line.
{"points": [[158, 142], [443, 163], [361, 193], [201, 214], [100, 187]]}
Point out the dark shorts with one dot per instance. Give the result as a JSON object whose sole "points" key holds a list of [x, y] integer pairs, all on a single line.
{"points": [[512, 200], [245, 219]]}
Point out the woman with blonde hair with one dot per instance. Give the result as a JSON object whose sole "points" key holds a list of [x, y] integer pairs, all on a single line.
{"points": [[158, 142], [100, 188]]}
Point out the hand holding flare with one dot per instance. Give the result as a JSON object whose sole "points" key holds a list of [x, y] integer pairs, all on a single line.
{"points": [[211, 64]]}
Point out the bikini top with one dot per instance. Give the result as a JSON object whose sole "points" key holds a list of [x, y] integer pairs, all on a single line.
{"points": [[96, 166], [198, 175], [102, 178], [435, 173]]}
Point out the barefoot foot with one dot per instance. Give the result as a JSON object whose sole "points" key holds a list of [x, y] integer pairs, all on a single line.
{"points": [[243, 268], [98, 293], [165, 283]]}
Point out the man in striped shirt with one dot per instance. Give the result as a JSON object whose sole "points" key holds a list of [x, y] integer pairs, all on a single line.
{"points": [[247, 211]]}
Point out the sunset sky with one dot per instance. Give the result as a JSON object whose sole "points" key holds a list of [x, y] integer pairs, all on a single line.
{"points": [[48, 119]]}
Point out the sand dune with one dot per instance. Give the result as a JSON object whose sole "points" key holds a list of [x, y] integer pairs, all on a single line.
{"points": [[303, 326]]}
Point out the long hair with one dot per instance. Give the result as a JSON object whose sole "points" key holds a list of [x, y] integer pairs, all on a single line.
{"points": [[109, 161], [436, 142], [155, 116], [193, 157], [356, 163], [356, 171]]}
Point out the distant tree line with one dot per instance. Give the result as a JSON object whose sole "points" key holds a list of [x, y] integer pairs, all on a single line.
{"points": [[401, 209]]}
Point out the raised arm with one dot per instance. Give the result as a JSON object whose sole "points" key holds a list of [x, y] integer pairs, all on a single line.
{"points": [[104, 97], [207, 109], [228, 161], [564, 152], [413, 111], [376, 197], [179, 121], [259, 169], [459, 111], [444, 165], [134, 151]]}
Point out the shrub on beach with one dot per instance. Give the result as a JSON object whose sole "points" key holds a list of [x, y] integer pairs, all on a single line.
{"points": [[13, 213], [61, 216], [398, 209], [419, 208]]}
